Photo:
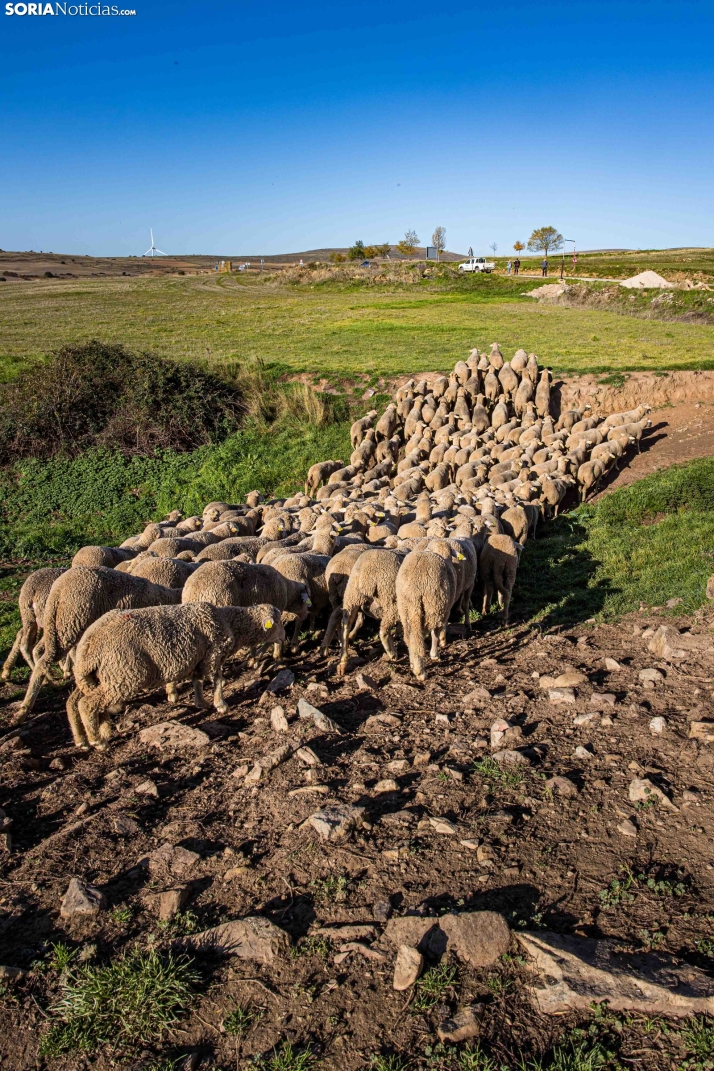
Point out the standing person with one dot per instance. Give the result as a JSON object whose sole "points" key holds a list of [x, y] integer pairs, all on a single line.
{"points": [[508, 267], [516, 266], [544, 266]]}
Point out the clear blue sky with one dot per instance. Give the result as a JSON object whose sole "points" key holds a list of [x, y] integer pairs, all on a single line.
{"points": [[237, 126]]}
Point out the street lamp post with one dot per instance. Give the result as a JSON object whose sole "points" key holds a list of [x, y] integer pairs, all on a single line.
{"points": [[562, 262]]}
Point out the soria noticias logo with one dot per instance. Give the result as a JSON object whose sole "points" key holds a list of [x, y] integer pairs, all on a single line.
{"points": [[66, 9]]}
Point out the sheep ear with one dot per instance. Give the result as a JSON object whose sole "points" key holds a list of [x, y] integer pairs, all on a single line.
{"points": [[268, 624]]}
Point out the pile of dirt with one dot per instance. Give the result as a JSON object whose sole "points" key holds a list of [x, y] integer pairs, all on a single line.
{"points": [[646, 280]]}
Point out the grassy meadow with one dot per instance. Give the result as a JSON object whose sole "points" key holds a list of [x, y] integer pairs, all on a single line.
{"points": [[673, 264], [336, 331]]}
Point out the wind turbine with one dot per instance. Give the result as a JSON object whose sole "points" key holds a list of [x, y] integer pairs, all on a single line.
{"points": [[153, 251]]}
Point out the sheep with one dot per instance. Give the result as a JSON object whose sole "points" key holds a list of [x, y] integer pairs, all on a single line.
{"points": [[168, 572], [360, 428], [169, 548], [308, 569], [498, 563], [107, 556], [229, 548], [425, 591], [371, 590], [514, 522], [336, 576], [387, 423], [589, 476], [542, 394], [553, 491], [124, 655], [465, 562], [31, 604], [77, 598], [633, 416], [319, 473]]}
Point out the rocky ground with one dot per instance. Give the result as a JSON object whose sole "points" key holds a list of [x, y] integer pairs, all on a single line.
{"points": [[350, 826]]}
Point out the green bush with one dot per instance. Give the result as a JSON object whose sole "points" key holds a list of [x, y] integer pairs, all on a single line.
{"points": [[97, 394]]}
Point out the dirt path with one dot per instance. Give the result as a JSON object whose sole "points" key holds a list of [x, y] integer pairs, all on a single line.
{"points": [[679, 433]]}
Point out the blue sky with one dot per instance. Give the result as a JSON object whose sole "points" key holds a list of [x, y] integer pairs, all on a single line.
{"points": [[245, 127]]}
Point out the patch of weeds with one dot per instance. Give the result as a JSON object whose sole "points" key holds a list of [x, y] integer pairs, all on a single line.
{"points": [[163, 1063], [497, 985], [131, 1001], [311, 946], [331, 888], [180, 925], [287, 1058], [242, 1019], [705, 947], [7, 996], [650, 941], [614, 379], [389, 1063], [62, 956], [577, 1058], [664, 887], [618, 891], [122, 915], [698, 1036], [473, 1058], [433, 986], [495, 774], [440, 1055]]}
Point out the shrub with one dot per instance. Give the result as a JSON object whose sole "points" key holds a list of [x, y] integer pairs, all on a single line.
{"points": [[97, 394]]}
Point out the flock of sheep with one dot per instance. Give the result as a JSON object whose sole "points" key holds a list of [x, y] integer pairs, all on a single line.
{"points": [[441, 493]]}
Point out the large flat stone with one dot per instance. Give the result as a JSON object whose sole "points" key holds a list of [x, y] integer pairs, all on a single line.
{"points": [[82, 899], [479, 938], [172, 734], [253, 938], [577, 971]]}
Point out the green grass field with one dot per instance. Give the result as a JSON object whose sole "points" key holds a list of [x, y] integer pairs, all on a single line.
{"points": [[335, 331], [696, 264]]}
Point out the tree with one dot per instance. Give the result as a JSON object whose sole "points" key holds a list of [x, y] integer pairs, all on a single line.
{"points": [[382, 250], [438, 240], [545, 240], [494, 247], [356, 251], [519, 247], [408, 243], [338, 258]]}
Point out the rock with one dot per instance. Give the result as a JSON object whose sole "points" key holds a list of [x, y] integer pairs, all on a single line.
{"points": [[285, 678], [382, 910], [354, 932], [147, 788], [571, 678], [583, 753], [480, 697], [641, 790], [82, 899], [254, 774], [408, 967], [278, 720], [580, 972], [172, 901], [602, 700], [366, 683], [562, 786], [11, 974], [364, 950], [241, 771], [657, 725], [472, 845], [612, 665], [417, 932], [465, 1024], [443, 825], [627, 828], [387, 784], [125, 826], [652, 675], [172, 859], [591, 718], [324, 724], [671, 603], [307, 790], [254, 938], [702, 730], [503, 733], [308, 756], [277, 757], [546, 682], [511, 758], [172, 734], [485, 856], [377, 723], [672, 646], [561, 695], [479, 938], [337, 822], [236, 872]]}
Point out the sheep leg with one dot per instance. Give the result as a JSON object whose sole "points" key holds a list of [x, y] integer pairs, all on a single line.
{"points": [[172, 692], [90, 711], [386, 638], [417, 652], [434, 652], [505, 599], [37, 679], [277, 651], [12, 657], [295, 642], [67, 664], [358, 625], [218, 700], [30, 632], [75, 721], [487, 597], [335, 618], [199, 700], [348, 619]]}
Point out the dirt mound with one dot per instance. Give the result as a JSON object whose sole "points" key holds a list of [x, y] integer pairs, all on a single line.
{"points": [[646, 280]]}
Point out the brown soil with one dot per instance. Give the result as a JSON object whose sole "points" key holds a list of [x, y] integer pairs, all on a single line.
{"points": [[553, 858]]}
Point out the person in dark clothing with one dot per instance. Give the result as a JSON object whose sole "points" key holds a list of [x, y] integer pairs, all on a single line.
{"points": [[516, 266], [544, 266]]}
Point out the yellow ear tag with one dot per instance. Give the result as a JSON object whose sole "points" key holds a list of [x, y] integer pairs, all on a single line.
{"points": [[460, 557], [268, 624]]}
